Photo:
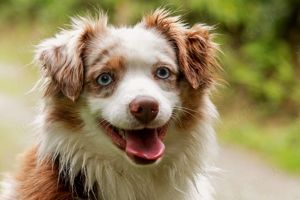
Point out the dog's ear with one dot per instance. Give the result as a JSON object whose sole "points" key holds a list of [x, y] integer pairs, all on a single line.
{"points": [[194, 46], [201, 56], [61, 57]]}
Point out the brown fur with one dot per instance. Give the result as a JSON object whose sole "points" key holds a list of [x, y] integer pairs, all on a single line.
{"points": [[69, 74], [64, 71], [103, 53], [196, 59], [169, 83], [201, 55], [192, 102], [114, 65], [40, 182], [172, 29], [65, 111], [195, 50]]}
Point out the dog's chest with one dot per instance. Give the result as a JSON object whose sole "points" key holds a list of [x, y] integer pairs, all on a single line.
{"points": [[146, 187]]}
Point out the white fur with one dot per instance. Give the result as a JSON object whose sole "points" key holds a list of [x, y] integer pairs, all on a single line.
{"points": [[141, 49], [182, 173], [115, 108], [7, 189]]}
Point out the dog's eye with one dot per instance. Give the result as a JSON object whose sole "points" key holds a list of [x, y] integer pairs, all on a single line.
{"points": [[104, 79], [163, 73]]}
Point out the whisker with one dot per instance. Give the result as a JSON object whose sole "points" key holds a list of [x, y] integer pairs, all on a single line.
{"points": [[176, 118], [104, 123], [195, 116], [187, 109]]}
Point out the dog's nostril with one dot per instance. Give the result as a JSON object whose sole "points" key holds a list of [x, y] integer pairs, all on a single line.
{"points": [[144, 108], [140, 110]]}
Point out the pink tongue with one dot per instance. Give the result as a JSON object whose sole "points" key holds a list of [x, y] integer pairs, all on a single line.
{"points": [[144, 144]]}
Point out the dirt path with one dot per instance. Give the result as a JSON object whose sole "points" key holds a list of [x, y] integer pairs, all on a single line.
{"points": [[246, 177]]}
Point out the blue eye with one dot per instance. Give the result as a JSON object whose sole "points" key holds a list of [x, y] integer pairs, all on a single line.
{"points": [[163, 73], [104, 79]]}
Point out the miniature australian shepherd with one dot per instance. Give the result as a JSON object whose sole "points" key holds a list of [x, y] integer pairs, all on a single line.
{"points": [[126, 113]]}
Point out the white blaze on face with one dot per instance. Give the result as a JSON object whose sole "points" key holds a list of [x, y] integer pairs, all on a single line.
{"points": [[141, 50]]}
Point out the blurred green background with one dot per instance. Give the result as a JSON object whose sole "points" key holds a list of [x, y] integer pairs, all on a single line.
{"points": [[260, 40]]}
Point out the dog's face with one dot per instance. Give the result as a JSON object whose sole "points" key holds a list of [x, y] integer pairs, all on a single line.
{"points": [[131, 89], [131, 83]]}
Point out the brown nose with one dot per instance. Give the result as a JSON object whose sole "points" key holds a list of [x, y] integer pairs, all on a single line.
{"points": [[144, 108]]}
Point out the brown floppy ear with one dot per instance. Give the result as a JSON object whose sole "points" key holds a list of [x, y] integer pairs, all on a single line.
{"points": [[61, 57], [201, 56], [194, 47]]}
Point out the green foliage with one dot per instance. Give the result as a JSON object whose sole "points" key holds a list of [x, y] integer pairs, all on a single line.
{"points": [[260, 48]]}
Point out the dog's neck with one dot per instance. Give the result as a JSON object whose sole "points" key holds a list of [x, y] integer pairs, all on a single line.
{"points": [[77, 188], [89, 174], [120, 185]]}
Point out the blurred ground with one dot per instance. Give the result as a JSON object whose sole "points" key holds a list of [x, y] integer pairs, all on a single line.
{"points": [[244, 175], [16, 113]]}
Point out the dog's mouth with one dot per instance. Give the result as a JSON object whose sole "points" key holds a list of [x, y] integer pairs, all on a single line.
{"points": [[143, 146]]}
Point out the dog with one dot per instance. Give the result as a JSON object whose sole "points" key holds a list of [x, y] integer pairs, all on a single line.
{"points": [[126, 113]]}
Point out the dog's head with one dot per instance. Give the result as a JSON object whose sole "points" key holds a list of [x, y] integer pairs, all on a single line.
{"points": [[132, 83]]}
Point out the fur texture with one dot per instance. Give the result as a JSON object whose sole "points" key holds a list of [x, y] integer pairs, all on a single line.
{"points": [[75, 159]]}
